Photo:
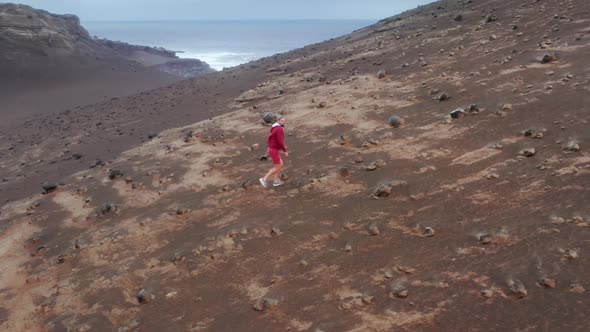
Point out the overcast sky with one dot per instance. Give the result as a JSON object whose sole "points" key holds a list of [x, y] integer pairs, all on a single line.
{"points": [[89, 10]]}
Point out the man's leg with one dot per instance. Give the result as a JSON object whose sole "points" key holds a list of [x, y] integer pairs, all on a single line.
{"points": [[277, 174], [271, 172]]}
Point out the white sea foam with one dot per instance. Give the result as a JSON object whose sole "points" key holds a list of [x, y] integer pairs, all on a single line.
{"points": [[219, 60]]}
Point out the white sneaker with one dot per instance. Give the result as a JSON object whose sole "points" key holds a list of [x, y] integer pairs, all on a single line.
{"points": [[277, 183], [262, 182]]}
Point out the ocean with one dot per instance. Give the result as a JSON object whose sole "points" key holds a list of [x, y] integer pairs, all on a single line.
{"points": [[224, 43]]}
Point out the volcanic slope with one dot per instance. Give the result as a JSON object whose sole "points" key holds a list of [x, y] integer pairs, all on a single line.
{"points": [[473, 223]]}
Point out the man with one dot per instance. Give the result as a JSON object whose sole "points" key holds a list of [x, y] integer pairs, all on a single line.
{"points": [[276, 143]]}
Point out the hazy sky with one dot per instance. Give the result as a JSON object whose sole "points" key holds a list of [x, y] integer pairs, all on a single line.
{"points": [[225, 9]]}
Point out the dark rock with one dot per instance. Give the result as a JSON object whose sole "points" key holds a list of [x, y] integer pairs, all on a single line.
{"points": [[379, 163], [381, 74], [77, 156], [517, 288], [265, 304], [429, 232], [96, 163], [385, 189], [152, 135], [115, 173], [49, 187], [107, 208], [491, 18], [548, 58], [322, 104], [486, 239], [528, 152], [269, 117], [473, 109], [458, 113], [395, 121], [443, 96], [181, 211], [399, 291], [458, 18], [144, 296]]}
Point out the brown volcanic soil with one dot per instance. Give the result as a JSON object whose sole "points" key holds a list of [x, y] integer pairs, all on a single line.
{"points": [[65, 268], [39, 88]]}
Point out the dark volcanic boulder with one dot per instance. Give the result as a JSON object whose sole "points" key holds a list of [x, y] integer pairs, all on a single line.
{"points": [[396, 121], [115, 173], [49, 187], [269, 117]]}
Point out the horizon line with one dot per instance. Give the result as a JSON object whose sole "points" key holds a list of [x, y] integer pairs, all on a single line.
{"points": [[231, 19]]}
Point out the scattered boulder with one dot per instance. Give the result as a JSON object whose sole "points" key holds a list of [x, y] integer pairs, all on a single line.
{"points": [[385, 189], [528, 152], [572, 146], [77, 156], [144, 296], [486, 239], [152, 135], [379, 163], [115, 173], [265, 304], [381, 74], [458, 18], [399, 291], [49, 187], [473, 109], [548, 58], [107, 208], [517, 288], [395, 121], [181, 211], [373, 229], [322, 104], [96, 163], [429, 232], [487, 293], [548, 282], [269, 117], [275, 231], [491, 18], [533, 133], [458, 113], [442, 97]]}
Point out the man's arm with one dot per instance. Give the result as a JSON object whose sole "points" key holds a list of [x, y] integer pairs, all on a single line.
{"points": [[281, 140]]}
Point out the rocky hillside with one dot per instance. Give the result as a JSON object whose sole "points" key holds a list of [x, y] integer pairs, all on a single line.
{"points": [[26, 34], [159, 58], [438, 179]]}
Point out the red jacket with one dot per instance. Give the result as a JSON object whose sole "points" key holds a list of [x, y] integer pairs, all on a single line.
{"points": [[276, 139]]}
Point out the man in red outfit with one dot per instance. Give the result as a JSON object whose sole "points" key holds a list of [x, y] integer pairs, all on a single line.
{"points": [[276, 143]]}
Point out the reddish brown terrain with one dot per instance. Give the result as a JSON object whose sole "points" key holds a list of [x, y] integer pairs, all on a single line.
{"points": [[474, 223]]}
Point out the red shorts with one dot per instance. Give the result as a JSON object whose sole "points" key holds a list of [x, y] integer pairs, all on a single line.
{"points": [[275, 156]]}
